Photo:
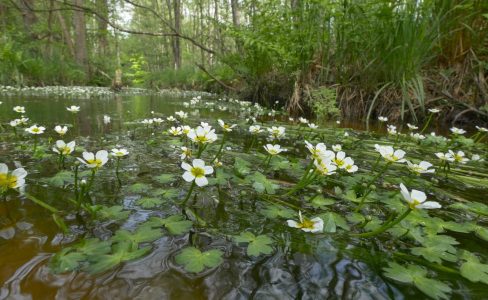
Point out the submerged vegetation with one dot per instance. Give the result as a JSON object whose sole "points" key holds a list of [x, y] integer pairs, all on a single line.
{"points": [[359, 59], [253, 187]]}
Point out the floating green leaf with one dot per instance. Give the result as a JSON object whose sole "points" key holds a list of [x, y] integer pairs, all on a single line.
{"points": [[122, 252], [66, 260], [262, 184], [176, 224], [257, 244], [276, 211], [149, 202], [417, 276], [473, 269], [332, 221], [165, 178], [114, 213], [195, 261]]}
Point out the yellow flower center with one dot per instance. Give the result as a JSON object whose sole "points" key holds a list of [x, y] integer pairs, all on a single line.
{"points": [[197, 172], [7, 181], [306, 224], [339, 162], [96, 162], [414, 203], [201, 138]]}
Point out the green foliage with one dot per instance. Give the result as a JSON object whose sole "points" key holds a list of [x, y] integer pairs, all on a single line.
{"points": [[262, 184], [175, 225], [257, 245], [417, 276], [323, 103], [195, 261]]}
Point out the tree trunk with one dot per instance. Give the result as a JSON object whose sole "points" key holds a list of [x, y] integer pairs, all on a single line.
{"points": [[28, 16], [81, 52], [102, 8], [236, 20], [176, 40], [65, 31]]}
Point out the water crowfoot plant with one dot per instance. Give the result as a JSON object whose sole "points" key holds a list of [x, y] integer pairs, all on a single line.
{"points": [[195, 174]]}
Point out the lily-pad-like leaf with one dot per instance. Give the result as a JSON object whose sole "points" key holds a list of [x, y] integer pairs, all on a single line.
{"points": [[165, 178], [139, 188], [221, 178], [257, 244], [93, 246], [322, 201], [149, 202], [61, 178], [141, 235], [115, 213], [66, 260], [276, 211], [176, 224], [242, 167], [262, 184], [473, 269], [417, 276], [122, 252], [332, 221], [195, 261]]}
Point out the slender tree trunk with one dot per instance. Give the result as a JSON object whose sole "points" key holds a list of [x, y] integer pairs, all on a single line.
{"points": [[102, 33], [81, 52], [176, 40], [236, 20], [200, 12], [65, 31], [28, 16]]}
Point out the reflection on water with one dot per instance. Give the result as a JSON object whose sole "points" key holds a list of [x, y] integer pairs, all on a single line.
{"points": [[28, 236]]}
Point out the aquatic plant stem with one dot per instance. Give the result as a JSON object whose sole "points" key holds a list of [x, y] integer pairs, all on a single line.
{"points": [[201, 148], [35, 145], [386, 226], [189, 193], [217, 156], [117, 166], [426, 123], [369, 186]]}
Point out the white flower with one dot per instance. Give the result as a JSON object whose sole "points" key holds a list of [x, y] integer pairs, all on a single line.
{"points": [[73, 108], [481, 129], [417, 136], [203, 135], [349, 165], [319, 152], [273, 149], [34, 129], [459, 157], [412, 127], [94, 160], [420, 168], [314, 225], [226, 127], [416, 199], [23, 120], [63, 148], [196, 172], [456, 130], [382, 119], [158, 120], [325, 167], [119, 152], [303, 120], [346, 134], [444, 156], [106, 119], [185, 152], [276, 132], [19, 109], [61, 130], [337, 147], [181, 114], [13, 180], [338, 122], [389, 154], [147, 121], [15, 123], [255, 129], [171, 118], [476, 157], [312, 126], [291, 119], [185, 129], [175, 131], [434, 110], [391, 129]]}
